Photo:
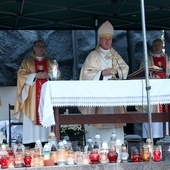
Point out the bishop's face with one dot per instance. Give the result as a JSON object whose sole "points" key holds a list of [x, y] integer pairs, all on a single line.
{"points": [[39, 49], [105, 42]]}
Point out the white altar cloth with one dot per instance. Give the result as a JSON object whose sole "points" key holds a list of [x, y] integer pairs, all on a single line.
{"points": [[99, 93]]}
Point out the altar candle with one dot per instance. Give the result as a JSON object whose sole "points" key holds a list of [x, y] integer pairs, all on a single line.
{"points": [[85, 158], [11, 162], [105, 145]]}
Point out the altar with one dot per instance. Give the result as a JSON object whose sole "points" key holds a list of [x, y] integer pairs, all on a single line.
{"points": [[56, 94]]}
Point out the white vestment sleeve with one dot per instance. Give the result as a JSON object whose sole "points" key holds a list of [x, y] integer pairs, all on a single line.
{"points": [[97, 76], [24, 93], [30, 80]]}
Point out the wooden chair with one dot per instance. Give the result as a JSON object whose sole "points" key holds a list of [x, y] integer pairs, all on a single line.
{"points": [[11, 123]]}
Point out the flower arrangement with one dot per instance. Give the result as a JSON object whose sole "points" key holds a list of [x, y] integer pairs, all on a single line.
{"points": [[75, 132], [77, 129]]}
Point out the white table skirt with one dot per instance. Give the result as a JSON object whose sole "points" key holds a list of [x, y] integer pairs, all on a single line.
{"points": [[100, 93]]}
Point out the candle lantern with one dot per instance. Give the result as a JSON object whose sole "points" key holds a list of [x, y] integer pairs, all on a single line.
{"points": [[31, 150], [103, 156], [53, 145], [135, 155], [124, 155], [105, 145], [4, 156], [96, 146], [27, 159], [61, 153], [54, 70], [112, 141], [47, 158], [146, 156], [53, 156], [46, 151], [133, 144], [150, 146], [19, 150], [156, 154], [4, 162], [38, 146], [104, 152], [11, 161], [94, 157], [10, 151], [86, 159], [78, 157], [165, 144], [70, 158], [36, 157], [97, 141], [112, 155], [89, 145], [118, 150], [52, 141], [19, 160], [41, 160], [10, 157]]}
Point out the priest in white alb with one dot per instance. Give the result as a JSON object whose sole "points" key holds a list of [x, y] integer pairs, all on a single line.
{"points": [[32, 74]]}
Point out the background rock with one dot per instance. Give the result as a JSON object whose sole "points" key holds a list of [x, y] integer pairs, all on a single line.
{"points": [[70, 48]]}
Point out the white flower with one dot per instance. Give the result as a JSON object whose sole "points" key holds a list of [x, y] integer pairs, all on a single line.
{"points": [[75, 127]]}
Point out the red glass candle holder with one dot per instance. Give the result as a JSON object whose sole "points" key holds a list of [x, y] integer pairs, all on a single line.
{"points": [[112, 156], [4, 162], [94, 157], [157, 155], [136, 157], [27, 160]]}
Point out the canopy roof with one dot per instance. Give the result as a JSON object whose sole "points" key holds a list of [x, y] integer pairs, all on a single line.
{"points": [[82, 14]]}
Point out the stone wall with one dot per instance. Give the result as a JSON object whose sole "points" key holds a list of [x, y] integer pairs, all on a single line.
{"points": [[70, 48]]}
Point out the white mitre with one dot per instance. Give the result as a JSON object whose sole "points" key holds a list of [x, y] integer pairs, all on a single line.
{"points": [[106, 29]]}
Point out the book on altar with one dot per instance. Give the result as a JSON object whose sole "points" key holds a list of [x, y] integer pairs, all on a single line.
{"points": [[140, 74]]}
